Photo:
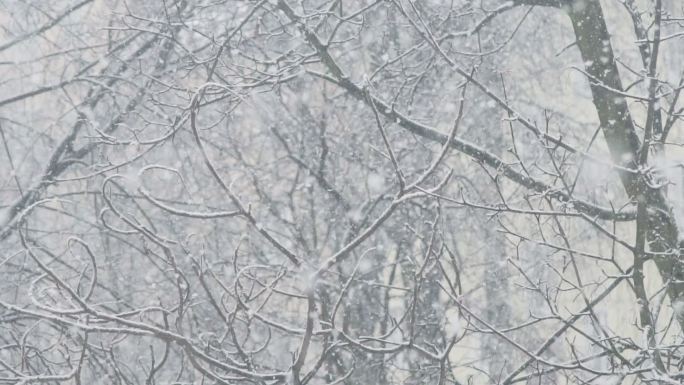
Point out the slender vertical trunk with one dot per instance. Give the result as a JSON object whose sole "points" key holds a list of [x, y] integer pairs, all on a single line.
{"points": [[593, 41]]}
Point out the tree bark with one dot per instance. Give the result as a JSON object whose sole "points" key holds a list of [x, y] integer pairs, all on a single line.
{"points": [[593, 41]]}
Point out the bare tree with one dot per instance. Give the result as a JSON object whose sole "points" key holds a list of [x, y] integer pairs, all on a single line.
{"points": [[341, 192]]}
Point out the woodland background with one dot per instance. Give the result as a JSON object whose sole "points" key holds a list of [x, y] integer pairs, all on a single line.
{"points": [[341, 192]]}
